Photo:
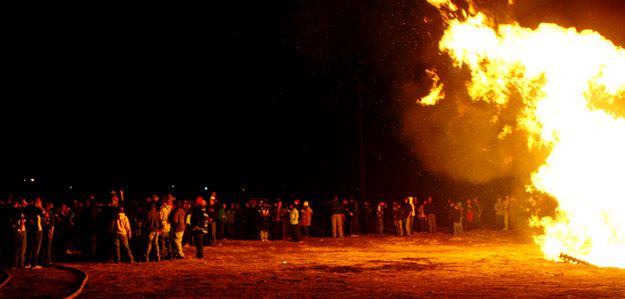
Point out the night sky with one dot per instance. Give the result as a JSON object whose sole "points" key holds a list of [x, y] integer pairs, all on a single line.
{"points": [[262, 96]]}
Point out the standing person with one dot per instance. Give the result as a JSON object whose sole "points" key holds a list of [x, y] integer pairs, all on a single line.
{"points": [[354, 214], [294, 221], [34, 214], [380, 217], [277, 218], [164, 235], [306, 213], [122, 233], [506, 212], [222, 215], [89, 227], [451, 206], [178, 225], [265, 220], [457, 218], [187, 238], [286, 223], [422, 218], [346, 219], [478, 209], [137, 217], [231, 218], [199, 224], [47, 224], [367, 217], [499, 214], [213, 209], [152, 225], [337, 210], [408, 214], [18, 227], [429, 211], [398, 218], [65, 222], [470, 215]]}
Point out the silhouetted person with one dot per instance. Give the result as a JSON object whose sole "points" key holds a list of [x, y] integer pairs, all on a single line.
{"points": [[34, 216], [152, 226], [337, 210], [199, 225], [354, 215], [178, 226], [47, 234]]}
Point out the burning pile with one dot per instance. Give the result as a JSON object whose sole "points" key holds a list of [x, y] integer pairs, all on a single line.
{"points": [[567, 81]]}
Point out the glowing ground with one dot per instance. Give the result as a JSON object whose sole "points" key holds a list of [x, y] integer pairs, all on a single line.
{"points": [[477, 264]]}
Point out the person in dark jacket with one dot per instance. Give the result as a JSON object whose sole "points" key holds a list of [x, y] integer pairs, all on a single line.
{"points": [[354, 214], [34, 214], [213, 210], [199, 224], [337, 210], [367, 217], [152, 225]]}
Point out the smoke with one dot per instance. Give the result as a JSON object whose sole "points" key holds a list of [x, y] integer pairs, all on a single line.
{"points": [[466, 140], [460, 138], [475, 141], [397, 41]]}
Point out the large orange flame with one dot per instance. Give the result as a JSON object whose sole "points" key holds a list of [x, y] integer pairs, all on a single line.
{"points": [[561, 75]]}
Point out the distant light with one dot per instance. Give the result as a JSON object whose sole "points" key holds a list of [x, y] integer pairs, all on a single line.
{"points": [[172, 186], [205, 188], [32, 179], [243, 189], [70, 187]]}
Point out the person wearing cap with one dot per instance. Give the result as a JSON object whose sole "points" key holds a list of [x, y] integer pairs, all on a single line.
{"points": [[306, 219]]}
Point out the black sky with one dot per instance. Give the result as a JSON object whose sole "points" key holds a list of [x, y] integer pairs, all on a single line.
{"points": [[261, 95]]}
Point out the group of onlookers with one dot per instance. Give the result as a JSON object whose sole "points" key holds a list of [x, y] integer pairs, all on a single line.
{"points": [[156, 228]]}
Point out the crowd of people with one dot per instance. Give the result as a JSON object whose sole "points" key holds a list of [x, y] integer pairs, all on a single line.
{"points": [[157, 228]]}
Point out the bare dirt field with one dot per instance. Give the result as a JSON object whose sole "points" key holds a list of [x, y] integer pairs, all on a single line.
{"points": [[40, 283], [477, 264]]}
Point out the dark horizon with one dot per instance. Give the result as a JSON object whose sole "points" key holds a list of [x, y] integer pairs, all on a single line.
{"points": [[263, 97]]}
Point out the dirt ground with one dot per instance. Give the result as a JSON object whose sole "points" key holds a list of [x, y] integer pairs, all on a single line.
{"points": [[40, 283], [477, 264]]}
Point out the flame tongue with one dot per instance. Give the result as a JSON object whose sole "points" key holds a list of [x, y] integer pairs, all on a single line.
{"points": [[561, 75]]}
